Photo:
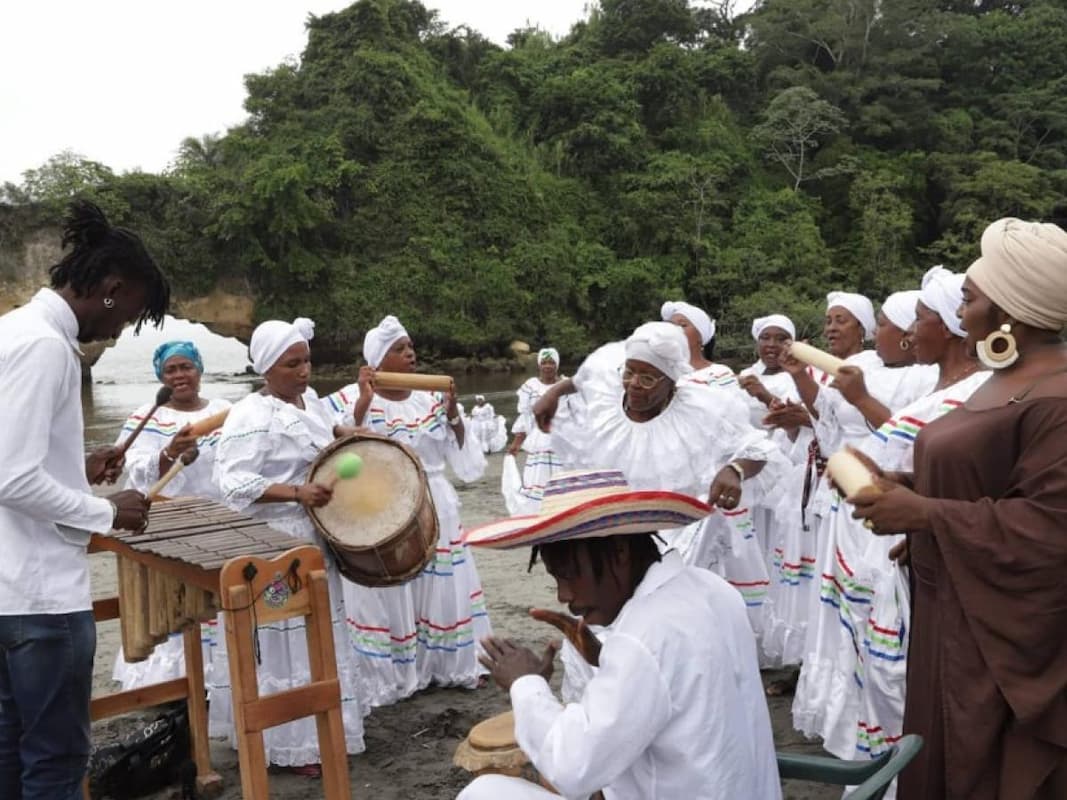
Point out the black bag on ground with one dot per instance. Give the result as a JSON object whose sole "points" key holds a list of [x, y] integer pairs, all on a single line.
{"points": [[149, 759]]}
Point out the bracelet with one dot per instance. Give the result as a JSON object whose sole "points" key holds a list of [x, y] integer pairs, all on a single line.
{"points": [[114, 512], [454, 421], [738, 469], [166, 454], [296, 494]]}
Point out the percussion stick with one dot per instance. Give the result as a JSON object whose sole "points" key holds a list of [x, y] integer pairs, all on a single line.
{"points": [[816, 357], [184, 460], [414, 381], [849, 473], [202, 427], [162, 398]]}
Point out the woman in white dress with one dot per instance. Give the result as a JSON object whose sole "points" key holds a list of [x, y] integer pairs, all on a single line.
{"points": [[855, 403], [858, 661], [699, 330], [447, 617], [843, 410], [542, 461], [268, 444], [663, 432], [483, 423], [165, 437]]}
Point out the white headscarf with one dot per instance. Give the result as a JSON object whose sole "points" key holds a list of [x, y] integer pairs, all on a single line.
{"points": [[899, 308], [378, 340], [760, 324], [663, 345], [697, 317], [943, 294], [858, 306], [272, 338], [548, 353], [1023, 269]]}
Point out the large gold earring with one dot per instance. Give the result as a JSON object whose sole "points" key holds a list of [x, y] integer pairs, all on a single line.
{"points": [[999, 349]]}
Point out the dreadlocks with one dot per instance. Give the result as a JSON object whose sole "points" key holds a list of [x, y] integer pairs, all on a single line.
{"points": [[97, 249], [643, 551]]}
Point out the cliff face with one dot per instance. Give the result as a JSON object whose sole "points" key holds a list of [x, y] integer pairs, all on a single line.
{"points": [[24, 264]]}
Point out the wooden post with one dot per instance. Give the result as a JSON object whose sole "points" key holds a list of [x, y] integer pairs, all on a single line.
{"points": [[208, 782]]}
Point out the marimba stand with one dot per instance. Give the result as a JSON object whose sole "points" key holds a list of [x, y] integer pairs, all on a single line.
{"points": [[178, 566]]}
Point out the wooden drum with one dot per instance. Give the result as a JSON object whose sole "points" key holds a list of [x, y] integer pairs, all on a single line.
{"points": [[490, 748], [381, 525]]}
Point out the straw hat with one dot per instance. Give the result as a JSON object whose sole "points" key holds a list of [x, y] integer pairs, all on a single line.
{"points": [[587, 503]]}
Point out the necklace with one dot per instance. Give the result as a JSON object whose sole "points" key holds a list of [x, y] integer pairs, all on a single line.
{"points": [[959, 376]]}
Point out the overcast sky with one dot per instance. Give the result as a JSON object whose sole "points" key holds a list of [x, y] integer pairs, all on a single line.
{"points": [[124, 81]]}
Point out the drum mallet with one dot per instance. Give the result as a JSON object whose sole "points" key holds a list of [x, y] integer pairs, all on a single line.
{"points": [[184, 460], [348, 466], [162, 398]]}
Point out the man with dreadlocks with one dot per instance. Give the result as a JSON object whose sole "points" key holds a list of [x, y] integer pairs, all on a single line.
{"points": [[105, 281], [676, 708]]}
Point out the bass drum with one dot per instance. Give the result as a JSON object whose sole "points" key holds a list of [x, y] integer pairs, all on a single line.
{"points": [[381, 525]]}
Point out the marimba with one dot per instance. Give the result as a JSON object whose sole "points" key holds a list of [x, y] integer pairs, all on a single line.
{"points": [[194, 559]]}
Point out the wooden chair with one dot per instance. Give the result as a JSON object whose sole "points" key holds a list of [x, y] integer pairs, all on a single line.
{"points": [[255, 591], [871, 778]]}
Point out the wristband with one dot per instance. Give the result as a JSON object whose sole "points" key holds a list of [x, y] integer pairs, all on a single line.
{"points": [[114, 512], [738, 469]]}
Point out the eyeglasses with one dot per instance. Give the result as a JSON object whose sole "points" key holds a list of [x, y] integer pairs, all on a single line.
{"points": [[642, 379]]}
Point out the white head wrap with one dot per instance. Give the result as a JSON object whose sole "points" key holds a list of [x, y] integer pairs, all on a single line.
{"points": [[378, 340], [548, 353], [760, 324], [858, 306], [663, 345], [899, 308], [943, 294], [697, 317], [1023, 269], [272, 338]]}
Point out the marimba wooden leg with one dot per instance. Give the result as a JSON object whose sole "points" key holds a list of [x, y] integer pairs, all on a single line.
{"points": [[322, 660], [208, 782], [244, 689]]}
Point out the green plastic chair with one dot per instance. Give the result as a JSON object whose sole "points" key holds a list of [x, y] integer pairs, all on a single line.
{"points": [[871, 778]]}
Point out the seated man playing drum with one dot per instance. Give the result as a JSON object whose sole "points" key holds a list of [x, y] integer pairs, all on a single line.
{"points": [[676, 708]]}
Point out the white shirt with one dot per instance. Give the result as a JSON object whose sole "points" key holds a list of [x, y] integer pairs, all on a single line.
{"points": [[676, 709], [47, 510]]}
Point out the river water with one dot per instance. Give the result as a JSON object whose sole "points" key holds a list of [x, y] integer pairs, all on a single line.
{"points": [[123, 378]]}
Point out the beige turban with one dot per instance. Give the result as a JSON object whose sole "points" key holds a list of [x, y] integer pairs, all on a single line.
{"points": [[1023, 269]]}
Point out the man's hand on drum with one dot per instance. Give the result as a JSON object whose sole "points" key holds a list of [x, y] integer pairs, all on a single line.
{"points": [[313, 495], [508, 661]]}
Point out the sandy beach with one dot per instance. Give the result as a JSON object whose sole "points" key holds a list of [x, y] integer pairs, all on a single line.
{"points": [[410, 745]]}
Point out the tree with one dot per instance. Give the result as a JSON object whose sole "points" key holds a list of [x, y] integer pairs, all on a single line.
{"points": [[794, 125], [62, 177]]}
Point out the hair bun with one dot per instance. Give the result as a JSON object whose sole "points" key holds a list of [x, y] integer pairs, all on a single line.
{"points": [[85, 225]]}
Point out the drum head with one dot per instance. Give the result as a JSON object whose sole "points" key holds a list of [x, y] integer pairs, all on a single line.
{"points": [[381, 500], [494, 733]]}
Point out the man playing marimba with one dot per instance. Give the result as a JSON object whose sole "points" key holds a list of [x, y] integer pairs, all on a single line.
{"points": [[105, 281], [676, 708]]}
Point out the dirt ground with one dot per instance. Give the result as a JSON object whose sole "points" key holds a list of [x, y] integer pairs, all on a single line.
{"points": [[410, 745]]}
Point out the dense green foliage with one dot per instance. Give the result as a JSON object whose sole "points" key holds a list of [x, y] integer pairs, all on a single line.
{"points": [[559, 191]]}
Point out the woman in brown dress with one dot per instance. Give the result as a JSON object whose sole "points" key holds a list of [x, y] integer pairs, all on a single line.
{"points": [[987, 515]]}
